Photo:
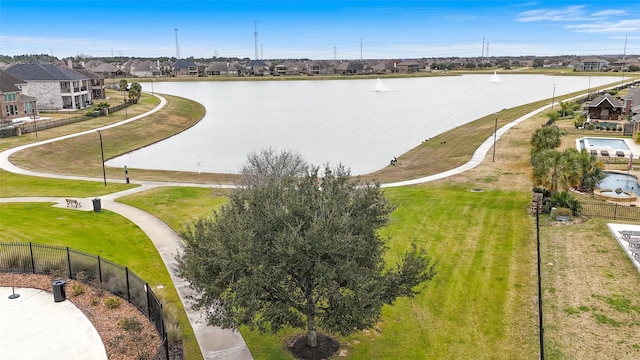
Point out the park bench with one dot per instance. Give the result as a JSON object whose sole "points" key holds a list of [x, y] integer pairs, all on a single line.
{"points": [[74, 203]]}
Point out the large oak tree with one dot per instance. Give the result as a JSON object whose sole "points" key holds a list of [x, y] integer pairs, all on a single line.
{"points": [[297, 247]]}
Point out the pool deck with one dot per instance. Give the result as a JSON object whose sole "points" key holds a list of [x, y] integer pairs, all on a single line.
{"points": [[611, 151]]}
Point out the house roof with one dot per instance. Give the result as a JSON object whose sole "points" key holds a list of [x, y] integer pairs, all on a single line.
{"points": [[606, 97], [183, 64], [44, 72], [90, 74], [218, 66], [257, 63], [8, 82]]}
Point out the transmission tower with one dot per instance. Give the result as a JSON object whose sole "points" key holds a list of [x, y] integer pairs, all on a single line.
{"points": [[255, 34], [177, 47]]}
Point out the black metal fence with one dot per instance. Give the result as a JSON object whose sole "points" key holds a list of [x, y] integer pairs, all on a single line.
{"points": [[23, 258], [612, 211]]}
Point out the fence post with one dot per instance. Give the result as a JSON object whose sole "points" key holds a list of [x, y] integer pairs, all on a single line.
{"points": [[615, 210], [69, 264], [99, 270], [146, 288], [33, 263], [126, 270]]}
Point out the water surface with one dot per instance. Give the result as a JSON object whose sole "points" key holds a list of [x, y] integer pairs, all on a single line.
{"points": [[362, 124]]}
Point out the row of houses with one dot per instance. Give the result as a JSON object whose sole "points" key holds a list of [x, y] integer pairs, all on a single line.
{"points": [[149, 68]]}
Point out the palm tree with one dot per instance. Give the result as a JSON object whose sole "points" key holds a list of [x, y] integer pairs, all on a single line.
{"points": [[123, 86], [135, 91], [547, 137], [556, 170], [591, 171]]}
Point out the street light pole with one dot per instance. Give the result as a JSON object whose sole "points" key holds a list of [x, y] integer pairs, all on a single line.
{"points": [[104, 173], [553, 98], [35, 123], [495, 135]]}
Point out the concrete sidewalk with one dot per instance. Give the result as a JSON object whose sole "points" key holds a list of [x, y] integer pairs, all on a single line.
{"points": [[36, 327]]}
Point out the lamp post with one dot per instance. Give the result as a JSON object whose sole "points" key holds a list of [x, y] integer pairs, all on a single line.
{"points": [[35, 123], [495, 135], [553, 98], [104, 173]]}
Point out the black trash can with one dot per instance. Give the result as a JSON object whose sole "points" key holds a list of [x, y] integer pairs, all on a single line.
{"points": [[58, 290], [97, 206]]}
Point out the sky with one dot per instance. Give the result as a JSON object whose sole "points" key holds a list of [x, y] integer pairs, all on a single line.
{"points": [[318, 29]]}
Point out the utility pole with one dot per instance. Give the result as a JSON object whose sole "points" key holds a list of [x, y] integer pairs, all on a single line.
{"points": [[360, 49]]}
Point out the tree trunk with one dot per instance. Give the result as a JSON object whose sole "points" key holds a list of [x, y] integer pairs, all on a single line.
{"points": [[312, 337]]}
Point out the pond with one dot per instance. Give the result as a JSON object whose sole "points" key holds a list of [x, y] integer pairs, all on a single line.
{"points": [[361, 123]]}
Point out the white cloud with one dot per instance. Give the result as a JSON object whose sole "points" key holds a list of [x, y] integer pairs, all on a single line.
{"points": [[569, 13], [608, 13], [608, 27]]}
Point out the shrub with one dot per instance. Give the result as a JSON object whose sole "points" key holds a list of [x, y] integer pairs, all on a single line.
{"points": [[112, 302], [130, 324], [77, 289], [91, 113]]}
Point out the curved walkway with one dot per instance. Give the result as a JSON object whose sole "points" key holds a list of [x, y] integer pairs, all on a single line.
{"points": [[214, 342]]}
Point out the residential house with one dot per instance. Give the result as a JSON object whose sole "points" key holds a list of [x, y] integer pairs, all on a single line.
{"points": [[593, 64], [288, 68], [109, 71], [54, 87], [312, 68], [350, 68], [14, 104], [147, 68], [408, 67], [384, 67], [624, 64], [256, 68], [96, 85], [604, 107], [184, 68], [221, 68]]}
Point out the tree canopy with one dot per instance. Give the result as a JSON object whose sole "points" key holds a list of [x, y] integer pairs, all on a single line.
{"points": [[296, 247]]}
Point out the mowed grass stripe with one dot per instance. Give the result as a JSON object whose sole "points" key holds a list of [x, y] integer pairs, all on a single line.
{"points": [[469, 310]]}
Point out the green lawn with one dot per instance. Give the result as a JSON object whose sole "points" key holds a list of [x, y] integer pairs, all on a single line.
{"points": [[106, 234], [12, 185], [480, 299]]}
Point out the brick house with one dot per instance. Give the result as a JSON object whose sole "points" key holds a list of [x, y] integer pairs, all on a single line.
{"points": [[14, 104], [54, 87]]}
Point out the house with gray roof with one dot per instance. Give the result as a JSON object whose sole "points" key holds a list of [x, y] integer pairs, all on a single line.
{"points": [[54, 87], [14, 104], [184, 68], [221, 68], [604, 107]]}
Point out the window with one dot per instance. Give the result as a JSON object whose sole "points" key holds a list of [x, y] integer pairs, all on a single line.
{"points": [[12, 110], [9, 97]]}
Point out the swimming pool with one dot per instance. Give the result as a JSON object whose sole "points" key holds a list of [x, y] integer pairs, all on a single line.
{"points": [[615, 144], [612, 147], [627, 183]]}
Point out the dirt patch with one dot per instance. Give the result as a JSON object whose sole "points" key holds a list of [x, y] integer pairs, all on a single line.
{"points": [[327, 346]]}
